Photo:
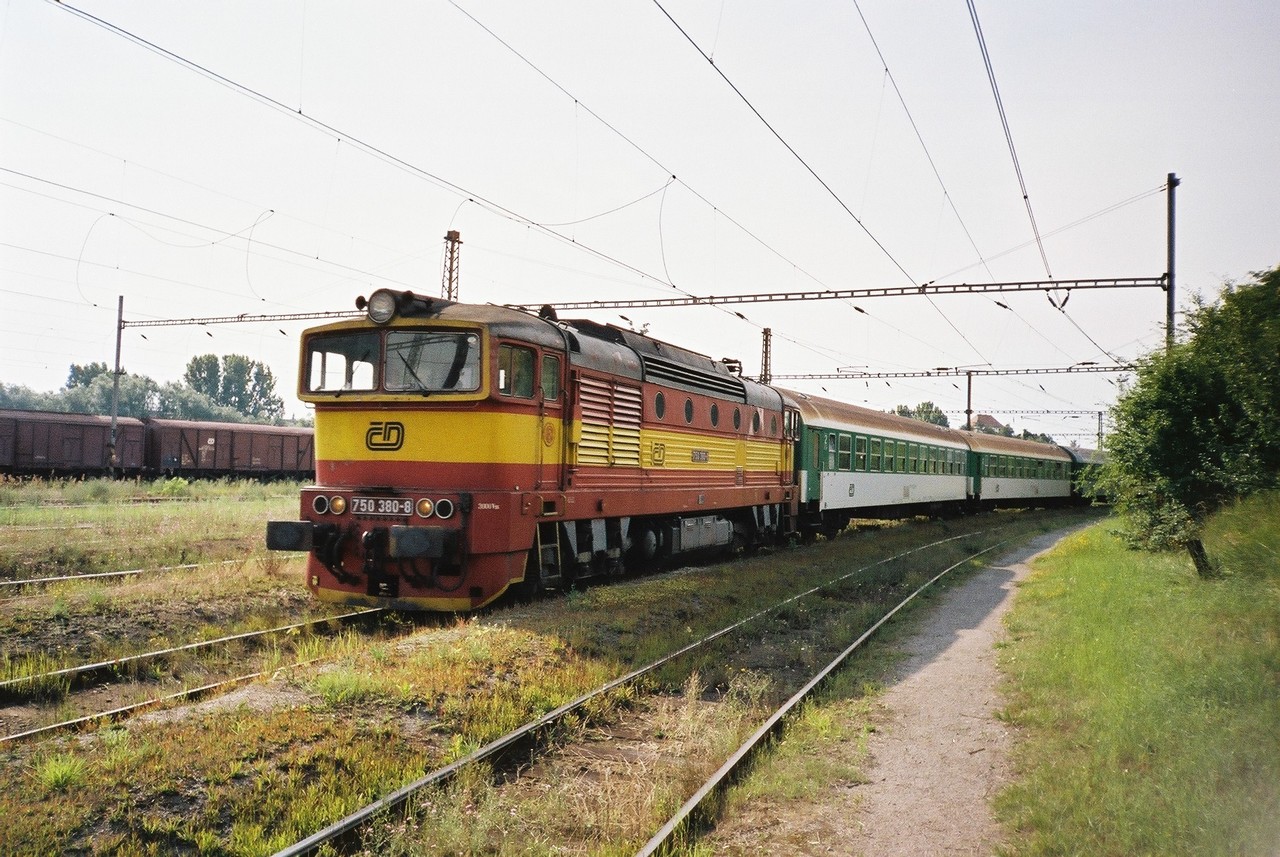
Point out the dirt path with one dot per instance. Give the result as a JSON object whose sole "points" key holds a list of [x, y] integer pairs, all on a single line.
{"points": [[939, 753]]}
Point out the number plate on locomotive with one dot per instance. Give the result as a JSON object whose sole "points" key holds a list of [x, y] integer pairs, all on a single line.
{"points": [[402, 506]]}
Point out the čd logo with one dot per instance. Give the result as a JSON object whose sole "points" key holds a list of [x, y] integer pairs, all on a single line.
{"points": [[384, 437]]}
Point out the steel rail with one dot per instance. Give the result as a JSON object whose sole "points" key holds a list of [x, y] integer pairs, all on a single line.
{"points": [[116, 713], [661, 840], [351, 824], [45, 581], [9, 688]]}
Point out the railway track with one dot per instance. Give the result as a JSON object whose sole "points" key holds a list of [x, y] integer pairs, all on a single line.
{"points": [[345, 833], [695, 808], [11, 586], [25, 688]]}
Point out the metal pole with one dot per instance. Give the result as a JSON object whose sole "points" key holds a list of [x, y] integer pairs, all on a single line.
{"points": [[115, 386], [968, 403], [1169, 291], [766, 356], [449, 288], [1099, 429]]}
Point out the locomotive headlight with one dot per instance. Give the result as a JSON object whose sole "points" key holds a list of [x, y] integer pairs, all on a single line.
{"points": [[425, 508], [337, 505], [444, 508], [382, 306], [320, 504]]}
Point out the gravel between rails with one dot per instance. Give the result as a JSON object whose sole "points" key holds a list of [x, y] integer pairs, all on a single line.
{"points": [[938, 755]]}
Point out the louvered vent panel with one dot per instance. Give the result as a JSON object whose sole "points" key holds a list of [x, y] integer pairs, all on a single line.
{"points": [[690, 378], [610, 423], [628, 404]]}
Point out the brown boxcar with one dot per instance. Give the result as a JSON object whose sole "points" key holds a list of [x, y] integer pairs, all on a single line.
{"points": [[35, 442], [186, 447]]}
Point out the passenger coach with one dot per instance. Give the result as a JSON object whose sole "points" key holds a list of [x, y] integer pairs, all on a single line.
{"points": [[856, 462]]}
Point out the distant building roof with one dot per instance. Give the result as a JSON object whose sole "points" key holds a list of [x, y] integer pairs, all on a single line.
{"points": [[986, 421]]}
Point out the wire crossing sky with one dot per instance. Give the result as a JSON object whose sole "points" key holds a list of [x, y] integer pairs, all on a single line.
{"points": [[284, 158]]}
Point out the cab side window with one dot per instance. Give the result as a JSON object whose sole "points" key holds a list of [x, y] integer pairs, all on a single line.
{"points": [[515, 371], [550, 377]]}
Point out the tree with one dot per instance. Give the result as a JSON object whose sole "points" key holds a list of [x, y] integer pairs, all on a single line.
{"points": [[238, 382], [137, 396], [82, 376], [19, 398], [176, 400], [925, 412], [205, 375], [1200, 427]]}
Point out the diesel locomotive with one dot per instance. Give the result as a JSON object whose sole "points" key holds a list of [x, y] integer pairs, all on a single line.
{"points": [[465, 450]]}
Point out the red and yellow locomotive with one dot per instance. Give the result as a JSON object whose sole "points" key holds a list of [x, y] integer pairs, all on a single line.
{"points": [[465, 449]]}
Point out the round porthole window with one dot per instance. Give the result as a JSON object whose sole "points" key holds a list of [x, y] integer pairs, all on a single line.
{"points": [[715, 414], [688, 410], [755, 422], [773, 426], [659, 405], [737, 418]]}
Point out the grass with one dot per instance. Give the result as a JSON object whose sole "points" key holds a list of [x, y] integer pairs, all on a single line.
{"points": [[66, 527], [256, 777], [1148, 699], [615, 806], [554, 810], [59, 772], [17, 494]]}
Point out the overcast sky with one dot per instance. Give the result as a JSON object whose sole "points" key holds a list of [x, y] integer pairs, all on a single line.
{"points": [[220, 158]]}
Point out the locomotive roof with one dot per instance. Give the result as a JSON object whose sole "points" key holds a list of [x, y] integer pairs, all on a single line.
{"points": [[604, 347]]}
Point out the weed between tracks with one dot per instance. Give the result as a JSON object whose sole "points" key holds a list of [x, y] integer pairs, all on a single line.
{"points": [[260, 768]]}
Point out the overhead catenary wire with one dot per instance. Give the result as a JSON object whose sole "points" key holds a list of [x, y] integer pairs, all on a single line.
{"points": [[353, 140], [1008, 135], [667, 280], [827, 187], [785, 144], [310, 257], [920, 137]]}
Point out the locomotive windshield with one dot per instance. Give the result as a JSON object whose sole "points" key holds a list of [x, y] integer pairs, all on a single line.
{"points": [[432, 361], [343, 361], [418, 361]]}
